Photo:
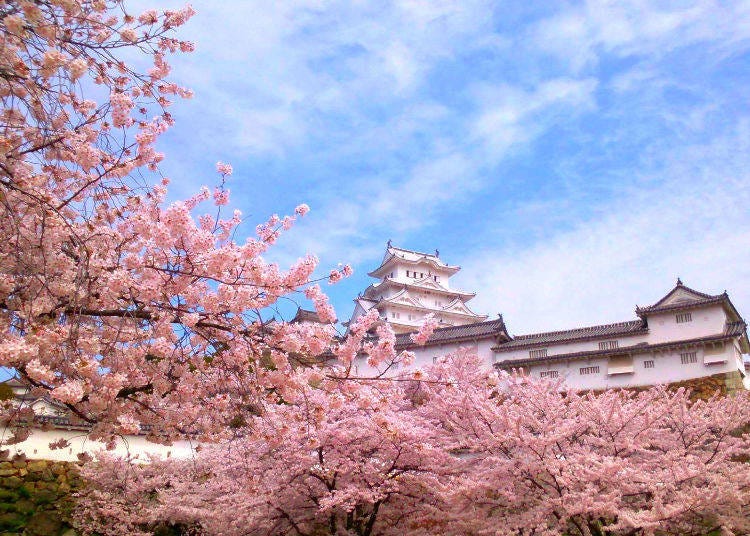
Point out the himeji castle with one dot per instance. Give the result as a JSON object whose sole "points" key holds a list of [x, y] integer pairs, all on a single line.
{"points": [[686, 335], [412, 285]]}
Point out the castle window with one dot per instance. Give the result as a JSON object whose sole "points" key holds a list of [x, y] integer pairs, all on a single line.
{"points": [[649, 363], [608, 345], [538, 353], [407, 273], [589, 370], [421, 275], [688, 357], [549, 374], [436, 278], [684, 317]]}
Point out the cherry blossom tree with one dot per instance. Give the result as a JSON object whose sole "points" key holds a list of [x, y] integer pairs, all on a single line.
{"points": [[339, 458], [136, 313], [462, 451], [538, 460]]}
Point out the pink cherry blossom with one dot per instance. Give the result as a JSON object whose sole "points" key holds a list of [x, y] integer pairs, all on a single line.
{"points": [[224, 169], [221, 196], [334, 277], [14, 24], [77, 68], [69, 392], [425, 330], [129, 35], [128, 309], [451, 449]]}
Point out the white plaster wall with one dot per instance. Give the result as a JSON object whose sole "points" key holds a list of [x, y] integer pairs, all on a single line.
{"points": [[425, 355], [572, 347], [37, 446], [399, 273], [709, 320], [668, 368], [415, 322]]}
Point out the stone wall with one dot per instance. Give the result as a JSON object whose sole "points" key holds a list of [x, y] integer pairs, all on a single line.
{"points": [[724, 383], [708, 386], [35, 497]]}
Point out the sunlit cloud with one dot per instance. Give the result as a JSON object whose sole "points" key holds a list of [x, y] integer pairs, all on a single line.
{"points": [[574, 158]]}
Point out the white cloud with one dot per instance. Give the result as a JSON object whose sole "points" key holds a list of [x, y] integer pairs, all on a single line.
{"points": [[512, 116], [580, 34], [694, 225], [277, 66], [449, 173]]}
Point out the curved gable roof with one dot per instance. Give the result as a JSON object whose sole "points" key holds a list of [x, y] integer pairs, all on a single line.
{"points": [[408, 256], [684, 297]]}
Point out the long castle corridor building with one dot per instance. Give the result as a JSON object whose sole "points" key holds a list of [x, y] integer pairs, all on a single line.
{"points": [[686, 335]]}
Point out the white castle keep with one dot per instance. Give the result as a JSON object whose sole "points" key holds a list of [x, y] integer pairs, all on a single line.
{"points": [[686, 335], [413, 285]]}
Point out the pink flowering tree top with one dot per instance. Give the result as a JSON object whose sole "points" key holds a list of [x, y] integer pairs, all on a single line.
{"points": [[339, 458], [463, 451], [541, 461], [129, 310]]}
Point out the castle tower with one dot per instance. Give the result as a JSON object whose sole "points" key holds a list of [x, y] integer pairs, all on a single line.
{"points": [[411, 285]]}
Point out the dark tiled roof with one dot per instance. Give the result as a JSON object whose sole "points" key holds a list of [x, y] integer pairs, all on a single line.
{"points": [[686, 304], [303, 315], [61, 422], [679, 286], [732, 329], [632, 327], [414, 251], [467, 332]]}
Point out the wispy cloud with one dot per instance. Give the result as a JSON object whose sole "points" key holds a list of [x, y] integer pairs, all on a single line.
{"points": [[585, 33], [511, 115], [557, 150], [694, 224]]}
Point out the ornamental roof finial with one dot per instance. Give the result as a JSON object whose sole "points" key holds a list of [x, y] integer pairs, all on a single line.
{"points": [[679, 282], [389, 243], [437, 253]]}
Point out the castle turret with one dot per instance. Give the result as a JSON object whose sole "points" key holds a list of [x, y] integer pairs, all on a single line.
{"points": [[412, 285]]}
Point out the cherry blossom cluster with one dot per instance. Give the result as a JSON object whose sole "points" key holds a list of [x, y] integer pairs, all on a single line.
{"points": [[337, 275], [425, 330], [136, 313], [463, 451]]}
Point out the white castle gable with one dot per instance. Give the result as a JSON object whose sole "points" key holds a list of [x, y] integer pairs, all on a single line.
{"points": [[680, 296]]}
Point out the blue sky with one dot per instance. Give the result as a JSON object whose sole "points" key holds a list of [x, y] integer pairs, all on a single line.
{"points": [[573, 158]]}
